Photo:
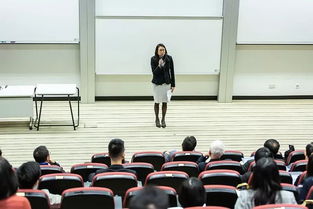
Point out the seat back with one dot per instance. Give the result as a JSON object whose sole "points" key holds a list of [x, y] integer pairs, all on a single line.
{"points": [[285, 177], [103, 158], [142, 169], [38, 199], [221, 195], [192, 156], [280, 164], [172, 195], [155, 158], [190, 168], [84, 197], [285, 206], [299, 165], [220, 177], [295, 156], [172, 179], [225, 164], [300, 178], [118, 182], [291, 188], [232, 155], [57, 183], [49, 169], [85, 169]]}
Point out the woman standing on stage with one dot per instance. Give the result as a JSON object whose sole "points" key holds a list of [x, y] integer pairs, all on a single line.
{"points": [[163, 80]]}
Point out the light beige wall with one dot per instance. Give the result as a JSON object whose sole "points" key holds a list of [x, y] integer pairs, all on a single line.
{"points": [[282, 67], [22, 64], [140, 85]]}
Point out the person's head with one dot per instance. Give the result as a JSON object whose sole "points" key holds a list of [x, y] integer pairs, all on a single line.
{"points": [[41, 154], [149, 198], [265, 181], [8, 182], [309, 149], [309, 166], [116, 149], [273, 145], [189, 143], [262, 152], [216, 149], [160, 50], [28, 175], [0, 152], [192, 193]]}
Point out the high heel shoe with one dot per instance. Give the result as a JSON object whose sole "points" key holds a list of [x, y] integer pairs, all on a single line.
{"points": [[163, 124], [157, 123]]}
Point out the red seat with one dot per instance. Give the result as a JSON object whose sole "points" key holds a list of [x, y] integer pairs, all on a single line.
{"points": [[290, 188], [232, 155], [142, 169], [275, 206], [38, 199], [172, 195], [49, 169], [58, 182], [299, 165], [280, 164], [225, 164], [118, 182], [285, 177], [155, 158], [295, 156], [84, 197], [85, 169], [300, 178], [220, 177], [188, 167], [192, 156], [103, 158], [172, 179], [208, 207], [221, 195]]}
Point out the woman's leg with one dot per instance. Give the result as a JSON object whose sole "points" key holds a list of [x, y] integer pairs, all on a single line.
{"points": [[164, 109], [156, 111]]}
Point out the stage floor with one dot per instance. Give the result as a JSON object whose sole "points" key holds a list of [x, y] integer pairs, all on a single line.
{"points": [[242, 125]]}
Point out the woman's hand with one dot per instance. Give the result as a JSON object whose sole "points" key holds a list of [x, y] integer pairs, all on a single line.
{"points": [[161, 63], [172, 89]]}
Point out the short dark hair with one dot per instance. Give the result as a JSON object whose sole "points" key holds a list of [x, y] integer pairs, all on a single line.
{"points": [[192, 193], [41, 154], [116, 148], [273, 145], [262, 152], [157, 48], [309, 149], [149, 196], [8, 183], [189, 143], [0, 152], [28, 174]]}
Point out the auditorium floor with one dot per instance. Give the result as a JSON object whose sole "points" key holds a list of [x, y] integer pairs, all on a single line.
{"points": [[242, 125]]}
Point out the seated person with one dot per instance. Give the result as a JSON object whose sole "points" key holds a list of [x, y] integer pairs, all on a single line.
{"points": [[117, 156], [308, 181], [192, 193], [149, 198], [265, 188], [8, 188], [215, 153], [308, 150], [42, 156], [189, 144], [0, 152], [28, 177], [273, 145], [260, 153]]}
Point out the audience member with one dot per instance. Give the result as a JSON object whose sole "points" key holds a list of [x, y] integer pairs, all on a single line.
{"points": [[8, 188], [150, 198], [266, 188], [192, 193], [28, 177], [42, 156], [215, 153], [189, 144]]}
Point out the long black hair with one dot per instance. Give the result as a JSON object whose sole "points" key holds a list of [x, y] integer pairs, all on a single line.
{"points": [[157, 48], [266, 181], [8, 183]]}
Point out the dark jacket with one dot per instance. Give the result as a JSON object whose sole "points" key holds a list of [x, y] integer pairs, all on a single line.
{"points": [[163, 74]]}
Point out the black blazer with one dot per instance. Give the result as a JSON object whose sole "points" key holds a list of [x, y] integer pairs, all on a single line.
{"points": [[163, 74]]}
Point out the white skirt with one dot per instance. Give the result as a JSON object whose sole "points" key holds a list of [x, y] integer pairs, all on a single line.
{"points": [[160, 93]]}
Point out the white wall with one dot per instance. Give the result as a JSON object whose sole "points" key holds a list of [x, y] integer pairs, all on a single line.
{"points": [[280, 66], [39, 63]]}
